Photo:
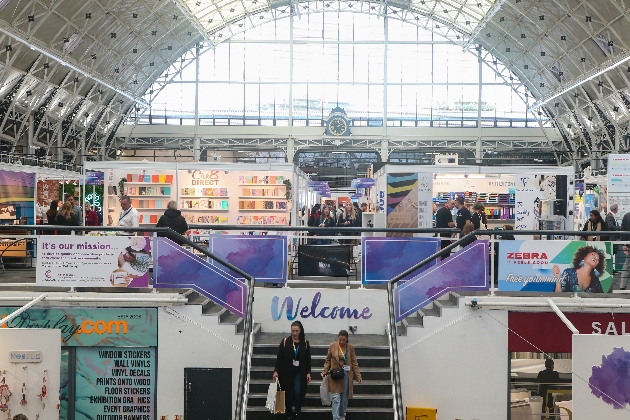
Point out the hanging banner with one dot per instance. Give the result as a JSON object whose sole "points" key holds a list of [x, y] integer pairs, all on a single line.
{"points": [[384, 258], [94, 178], [402, 202], [362, 183], [93, 261], [555, 266]]}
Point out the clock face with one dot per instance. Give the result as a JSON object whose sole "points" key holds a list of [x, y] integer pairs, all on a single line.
{"points": [[337, 126]]}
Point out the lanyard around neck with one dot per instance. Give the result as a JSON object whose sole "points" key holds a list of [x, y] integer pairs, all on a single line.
{"points": [[296, 350], [342, 353], [122, 216]]}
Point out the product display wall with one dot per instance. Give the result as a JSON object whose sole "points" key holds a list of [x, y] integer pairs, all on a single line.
{"points": [[204, 196]]}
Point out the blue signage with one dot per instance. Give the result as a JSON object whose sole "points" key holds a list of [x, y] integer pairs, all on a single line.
{"points": [[94, 178]]}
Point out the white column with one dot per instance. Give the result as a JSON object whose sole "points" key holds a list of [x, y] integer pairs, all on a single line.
{"points": [[385, 46], [197, 149], [31, 133], [478, 154], [291, 74], [290, 150], [59, 143]]}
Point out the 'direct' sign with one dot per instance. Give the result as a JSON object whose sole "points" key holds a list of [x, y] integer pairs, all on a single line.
{"points": [[115, 383]]}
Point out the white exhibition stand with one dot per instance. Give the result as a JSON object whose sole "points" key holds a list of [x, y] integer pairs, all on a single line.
{"points": [[19, 347]]}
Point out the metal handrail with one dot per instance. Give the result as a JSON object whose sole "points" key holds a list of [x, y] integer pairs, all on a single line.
{"points": [[241, 397]]}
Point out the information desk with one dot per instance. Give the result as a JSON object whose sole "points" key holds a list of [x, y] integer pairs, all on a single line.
{"points": [[325, 261]]}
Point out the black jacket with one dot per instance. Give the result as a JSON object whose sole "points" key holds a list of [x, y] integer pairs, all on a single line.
{"points": [[173, 219], [284, 367]]}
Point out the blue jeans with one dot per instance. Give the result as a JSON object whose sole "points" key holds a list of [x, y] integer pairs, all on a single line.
{"points": [[340, 401], [297, 395]]}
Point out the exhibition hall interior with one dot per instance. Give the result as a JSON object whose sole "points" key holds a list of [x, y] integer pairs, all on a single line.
{"points": [[351, 209]]}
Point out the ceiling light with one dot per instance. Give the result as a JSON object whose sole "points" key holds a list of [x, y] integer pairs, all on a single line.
{"points": [[71, 43]]}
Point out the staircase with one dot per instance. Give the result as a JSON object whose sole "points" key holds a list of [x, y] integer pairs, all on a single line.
{"points": [[416, 320], [373, 399]]}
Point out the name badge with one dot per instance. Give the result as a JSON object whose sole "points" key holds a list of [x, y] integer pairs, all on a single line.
{"points": [[346, 367], [296, 363]]}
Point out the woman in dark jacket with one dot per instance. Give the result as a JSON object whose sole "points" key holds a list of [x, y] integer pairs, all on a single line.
{"points": [[326, 219], [51, 214], [349, 218], [293, 368], [172, 218], [66, 218]]}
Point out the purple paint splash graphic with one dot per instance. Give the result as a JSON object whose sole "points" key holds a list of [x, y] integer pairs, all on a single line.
{"points": [[611, 380]]}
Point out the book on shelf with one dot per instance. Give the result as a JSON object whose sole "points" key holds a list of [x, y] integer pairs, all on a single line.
{"points": [[281, 205], [153, 218], [187, 191], [155, 179]]}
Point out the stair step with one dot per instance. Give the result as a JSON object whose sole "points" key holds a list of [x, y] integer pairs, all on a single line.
{"points": [[195, 298], [368, 374], [211, 308], [320, 350], [374, 361], [313, 400], [367, 387], [323, 412]]}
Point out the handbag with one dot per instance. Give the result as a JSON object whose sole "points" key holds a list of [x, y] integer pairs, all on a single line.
{"points": [[337, 373], [279, 408]]}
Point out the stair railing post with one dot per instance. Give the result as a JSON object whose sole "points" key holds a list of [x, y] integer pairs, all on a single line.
{"points": [[393, 348], [246, 351]]}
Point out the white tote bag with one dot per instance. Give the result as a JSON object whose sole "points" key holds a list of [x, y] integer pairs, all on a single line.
{"points": [[271, 396], [323, 392]]}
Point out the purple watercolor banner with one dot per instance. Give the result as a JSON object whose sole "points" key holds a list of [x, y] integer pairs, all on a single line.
{"points": [[466, 270], [262, 257], [175, 267], [385, 258]]}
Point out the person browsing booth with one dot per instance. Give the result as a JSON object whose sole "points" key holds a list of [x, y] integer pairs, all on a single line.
{"points": [[129, 216]]}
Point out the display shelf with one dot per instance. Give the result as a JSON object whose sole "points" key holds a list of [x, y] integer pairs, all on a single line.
{"points": [[148, 183], [148, 195], [265, 210], [263, 197], [204, 196], [262, 185], [187, 209]]}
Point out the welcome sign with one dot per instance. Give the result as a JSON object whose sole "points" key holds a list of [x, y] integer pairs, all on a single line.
{"points": [[322, 311]]}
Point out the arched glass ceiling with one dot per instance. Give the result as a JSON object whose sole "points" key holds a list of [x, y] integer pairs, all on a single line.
{"points": [[299, 69]]}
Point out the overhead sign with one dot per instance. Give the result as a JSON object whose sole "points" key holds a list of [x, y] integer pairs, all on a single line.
{"points": [[174, 267], [618, 174], [94, 178], [362, 183], [25, 356]]}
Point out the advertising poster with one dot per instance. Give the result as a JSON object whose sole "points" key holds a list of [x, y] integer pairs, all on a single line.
{"points": [[263, 257], [93, 261], [548, 266], [93, 327], [324, 260], [385, 258], [618, 173], [115, 383], [17, 195], [402, 202], [601, 389]]}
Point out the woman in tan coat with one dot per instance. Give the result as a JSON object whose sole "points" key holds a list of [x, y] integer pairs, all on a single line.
{"points": [[341, 355]]}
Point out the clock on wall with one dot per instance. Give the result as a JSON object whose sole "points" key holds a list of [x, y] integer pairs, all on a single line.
{"points": [[338, 123]]}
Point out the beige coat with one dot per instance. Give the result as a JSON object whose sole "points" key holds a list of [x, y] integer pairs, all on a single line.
{"points": [[334, 360]]}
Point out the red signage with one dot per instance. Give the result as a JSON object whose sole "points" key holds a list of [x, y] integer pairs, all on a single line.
{"points": [[545, 332]]}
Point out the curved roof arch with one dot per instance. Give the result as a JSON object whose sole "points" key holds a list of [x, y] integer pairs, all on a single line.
{"points": [[90, 63]]}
